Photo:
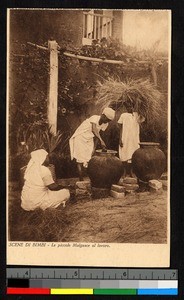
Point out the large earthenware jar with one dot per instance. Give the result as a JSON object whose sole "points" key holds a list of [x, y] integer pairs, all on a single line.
{"points": [[104, 169], [148, 162]]}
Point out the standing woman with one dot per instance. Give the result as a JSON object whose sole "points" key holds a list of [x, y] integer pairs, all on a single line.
{"points": [[82, 145], [129, 136], [40, 190]]}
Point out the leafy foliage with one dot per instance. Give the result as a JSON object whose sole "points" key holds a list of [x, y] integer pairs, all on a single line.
{"points": [[77, 89]]}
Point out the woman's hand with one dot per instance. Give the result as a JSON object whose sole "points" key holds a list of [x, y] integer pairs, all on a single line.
{"points": [[55, 187], [103, 145], [97, 134]]}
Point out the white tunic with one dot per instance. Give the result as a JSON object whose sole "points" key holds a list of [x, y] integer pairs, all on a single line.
{"points": [[35, 193], [130, 135], [82, 142]]}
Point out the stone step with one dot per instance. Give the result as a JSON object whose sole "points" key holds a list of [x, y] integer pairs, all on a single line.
{"points": [[118, 188], [155, 184], [130, 180], [117, 195], [84, 185], [130, 187]]}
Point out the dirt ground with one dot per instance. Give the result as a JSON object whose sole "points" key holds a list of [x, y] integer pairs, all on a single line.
{"points": [[138, 218]]}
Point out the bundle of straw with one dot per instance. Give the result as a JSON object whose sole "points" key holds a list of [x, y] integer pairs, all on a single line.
{"points": [[145, 99]]}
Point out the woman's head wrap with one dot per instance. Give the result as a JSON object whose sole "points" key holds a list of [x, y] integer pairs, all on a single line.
{"points": [[39, 156], [109, 113], [37, 159]]}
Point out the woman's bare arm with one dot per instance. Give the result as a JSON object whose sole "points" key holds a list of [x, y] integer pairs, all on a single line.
{"points": [[97, 134], [120, 135], [55, 187]]}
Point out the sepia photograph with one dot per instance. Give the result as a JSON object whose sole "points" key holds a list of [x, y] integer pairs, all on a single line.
{"points": [[88, 136]]}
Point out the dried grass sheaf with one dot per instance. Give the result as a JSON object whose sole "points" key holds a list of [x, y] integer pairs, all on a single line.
{"points": [[147, 100]]}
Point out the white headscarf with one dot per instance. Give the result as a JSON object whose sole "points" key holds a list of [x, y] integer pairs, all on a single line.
{"points": [[37, 159], [109, 113]]}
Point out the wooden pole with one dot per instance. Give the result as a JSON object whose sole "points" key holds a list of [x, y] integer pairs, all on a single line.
{"points": [[107, 61], [100, 60], [37, 46], [53, 87]]}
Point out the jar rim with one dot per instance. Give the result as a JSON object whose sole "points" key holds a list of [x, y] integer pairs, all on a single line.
{"points": [[106, 152], [149, 144]]}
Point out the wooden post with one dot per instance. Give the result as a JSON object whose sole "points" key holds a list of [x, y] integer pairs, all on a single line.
{"points": [[53, 87]]}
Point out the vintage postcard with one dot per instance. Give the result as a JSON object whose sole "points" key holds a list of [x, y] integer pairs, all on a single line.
{"points": [[88, 137]]}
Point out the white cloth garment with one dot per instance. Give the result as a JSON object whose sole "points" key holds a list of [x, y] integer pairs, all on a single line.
{"points": [[35, 193], [82, 142], [130, 135]]}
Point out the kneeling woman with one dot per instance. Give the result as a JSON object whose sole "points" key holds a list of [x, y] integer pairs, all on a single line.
{"points": [[40, 190]]}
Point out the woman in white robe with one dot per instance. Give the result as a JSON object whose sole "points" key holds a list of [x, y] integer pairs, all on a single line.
{"points": [[40, 190], [82, 144], [129, 137]]}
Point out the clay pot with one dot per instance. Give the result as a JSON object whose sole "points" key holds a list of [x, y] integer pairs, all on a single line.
{"points": [[104, 169], [148, 162]]}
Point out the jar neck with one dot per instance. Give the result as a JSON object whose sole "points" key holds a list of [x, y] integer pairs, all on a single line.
{"points": [[149, 145]]}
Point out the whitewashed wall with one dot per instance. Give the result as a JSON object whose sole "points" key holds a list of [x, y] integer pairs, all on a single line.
{"points": [[144, 28]]}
